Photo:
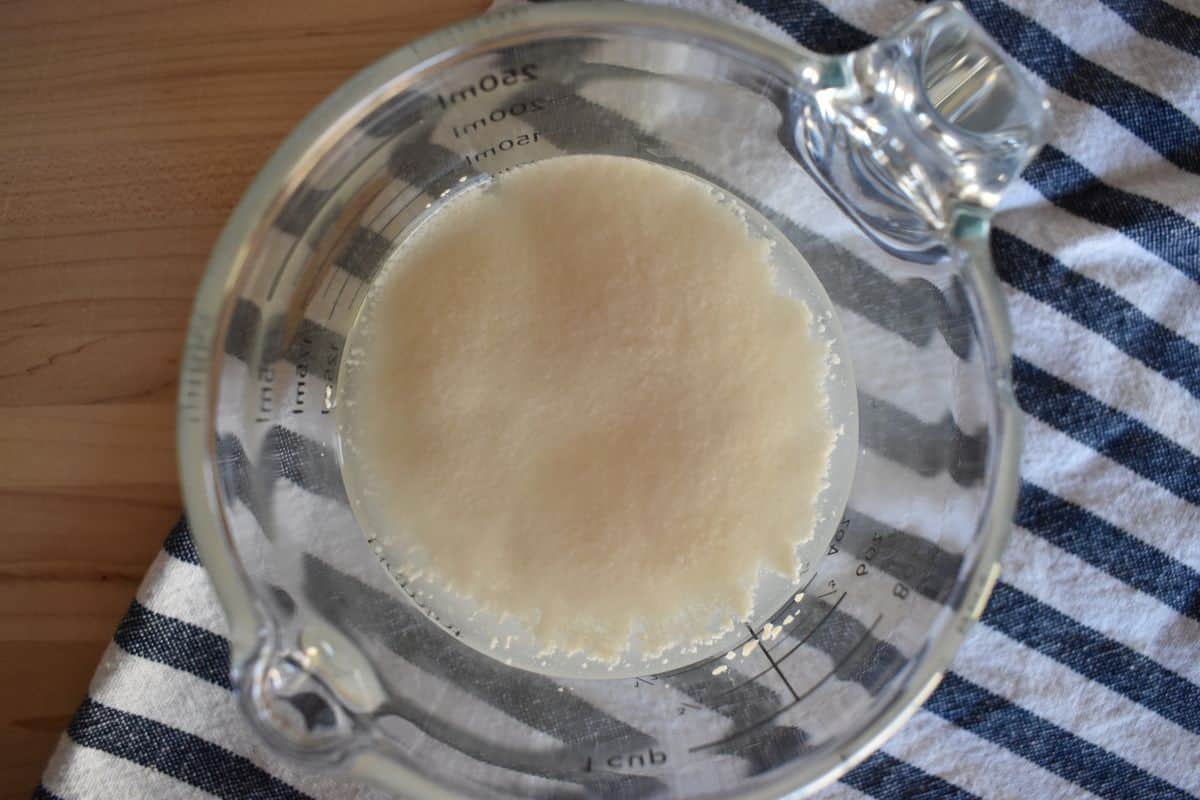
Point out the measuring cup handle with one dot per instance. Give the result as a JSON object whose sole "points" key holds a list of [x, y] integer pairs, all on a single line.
{"points": [[917, 135]]}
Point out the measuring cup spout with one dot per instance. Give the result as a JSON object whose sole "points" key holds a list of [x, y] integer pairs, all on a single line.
{"points": [[306, 689], [917, 134]]}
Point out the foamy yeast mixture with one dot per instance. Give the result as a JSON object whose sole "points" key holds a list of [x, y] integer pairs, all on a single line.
{"points": [[577, 399]]}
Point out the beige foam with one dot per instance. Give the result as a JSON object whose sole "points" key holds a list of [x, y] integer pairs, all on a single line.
{"points": [[580, 401]]}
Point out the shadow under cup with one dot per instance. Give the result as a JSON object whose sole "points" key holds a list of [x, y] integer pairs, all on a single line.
{"points": [[338, 666]]}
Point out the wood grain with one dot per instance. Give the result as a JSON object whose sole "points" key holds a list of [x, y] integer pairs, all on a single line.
{"points": [[128, 130]]}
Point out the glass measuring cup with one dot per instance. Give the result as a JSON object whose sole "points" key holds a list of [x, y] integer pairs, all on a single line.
{"points": [[881, 168]]}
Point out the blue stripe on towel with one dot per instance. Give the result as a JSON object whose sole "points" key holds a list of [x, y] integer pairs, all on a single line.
{"points": [[1156, 227], [810, 23], [1118, 436], [1093, 655], [1106, 547], [175, 643], [179, 543], [173, 752], [1001, 722], [1098, 308], [1162, 21], [889, 778]]}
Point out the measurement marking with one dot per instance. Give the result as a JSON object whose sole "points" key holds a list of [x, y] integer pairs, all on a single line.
{"points": [[755, 636], [333, 307], [282, 268], [774, 666], [328, 260], [341, 237], [328, 283], [336, 250], [332, 193], [799, 644], [787, 611], [816, 627], [373, 221], [766, 720]]}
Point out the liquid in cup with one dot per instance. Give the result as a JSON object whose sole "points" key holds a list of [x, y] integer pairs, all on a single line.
{"points": [[587, 418]]}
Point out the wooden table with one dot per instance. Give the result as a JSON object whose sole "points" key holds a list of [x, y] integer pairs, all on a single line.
{"points": [[128, 130]]}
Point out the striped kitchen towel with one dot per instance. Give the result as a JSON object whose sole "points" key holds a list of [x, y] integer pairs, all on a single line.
{"points": [[1083, 676]]}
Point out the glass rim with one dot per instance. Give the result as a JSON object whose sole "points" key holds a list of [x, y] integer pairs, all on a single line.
{"points": [[337, 114]]}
